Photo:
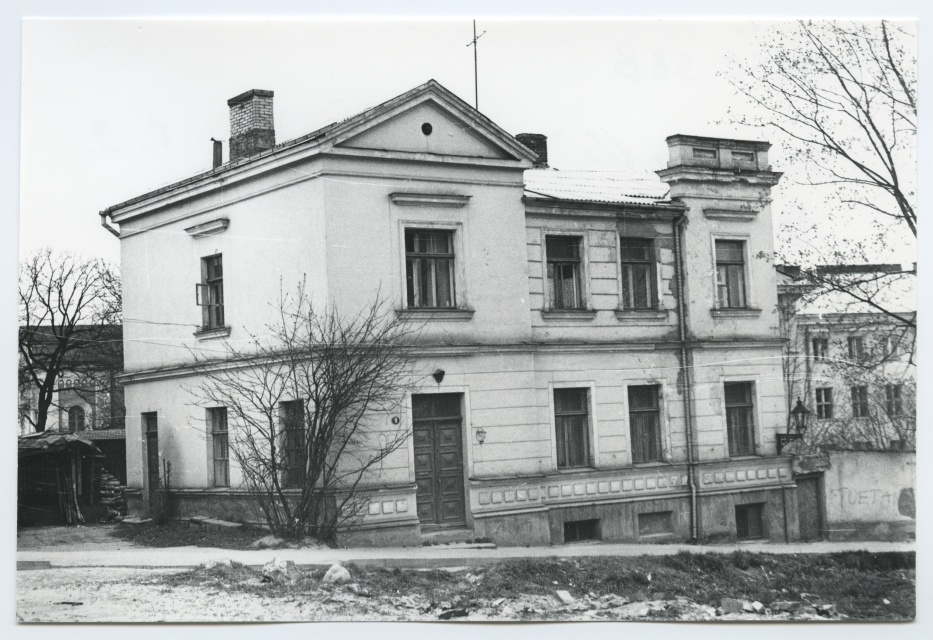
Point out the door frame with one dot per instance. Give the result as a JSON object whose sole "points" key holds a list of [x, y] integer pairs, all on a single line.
{"points": [[820, 503], [466, 433]]}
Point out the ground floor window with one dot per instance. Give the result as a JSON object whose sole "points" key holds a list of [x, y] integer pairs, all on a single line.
{"points": [[644, 410], [749, 521], [571, 420], [740, 418], [293, 443], [824, 403], [220, 446]]}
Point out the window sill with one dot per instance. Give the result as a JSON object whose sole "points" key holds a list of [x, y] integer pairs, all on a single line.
{"points": [[744, 312], [648, 465], [211, 334], [746, 456], [641, 316], [568, 314], [437, 314]]}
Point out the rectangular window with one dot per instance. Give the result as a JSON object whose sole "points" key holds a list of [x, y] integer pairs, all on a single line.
{"points": [[563, 272], [429, 266], [644, 405], [856, 348], [580, 530], [820, 348], [859, 402], [638, 281], [293, 443], [740, 418], [572, 425], [654, 524], [749, 521], [893, 402], [220, 446], [210, 292], [730, 274], [824, 403]]}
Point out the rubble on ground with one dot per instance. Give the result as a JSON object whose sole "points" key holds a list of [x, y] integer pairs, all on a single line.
{"points": [[336, 575], [277, 570]]}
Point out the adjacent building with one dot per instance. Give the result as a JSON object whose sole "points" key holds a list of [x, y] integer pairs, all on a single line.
{"points": [[610, 343]]}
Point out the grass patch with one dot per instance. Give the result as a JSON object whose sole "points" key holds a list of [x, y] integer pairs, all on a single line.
{"points": [[857, 583], [183, 534]]}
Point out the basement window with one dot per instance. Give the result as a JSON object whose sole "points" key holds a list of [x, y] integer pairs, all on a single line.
{"points": [[655, 524], [749, 522], [580, 530]]}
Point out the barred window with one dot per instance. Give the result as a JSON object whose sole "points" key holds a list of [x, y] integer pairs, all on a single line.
{"points": [[730, 273], [644, 404], [294, 449], [220, 446], [571, 420], [429, 267], [638, 269], [740, 418], [564, 272], [824, 403]]}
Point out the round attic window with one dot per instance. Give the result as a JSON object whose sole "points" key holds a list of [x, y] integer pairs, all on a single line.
{"points": [[426, 128]]}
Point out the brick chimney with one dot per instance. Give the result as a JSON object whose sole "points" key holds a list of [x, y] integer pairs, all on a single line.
{"points": [[538, 143], [251, 127]]}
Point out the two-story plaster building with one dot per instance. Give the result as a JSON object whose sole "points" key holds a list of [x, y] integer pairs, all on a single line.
{"points": [[610, 345]]}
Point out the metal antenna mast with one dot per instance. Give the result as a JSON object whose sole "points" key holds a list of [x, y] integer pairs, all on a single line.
{"points": [[475, 64]]}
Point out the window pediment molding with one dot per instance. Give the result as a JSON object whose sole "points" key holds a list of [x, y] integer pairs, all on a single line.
{"points": [[208, 228], [449, 201], [736, 215]]}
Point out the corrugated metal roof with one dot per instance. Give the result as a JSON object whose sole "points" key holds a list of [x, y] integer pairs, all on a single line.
{"points": [[638, 186], [52, 442]]}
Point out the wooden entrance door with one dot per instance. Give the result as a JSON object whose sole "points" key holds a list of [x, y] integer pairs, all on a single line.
{"points": [[809, 508], [151, 427], [438, 443]]}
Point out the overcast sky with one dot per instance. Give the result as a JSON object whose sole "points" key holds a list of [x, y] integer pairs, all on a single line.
{"points": [[112, 109]]}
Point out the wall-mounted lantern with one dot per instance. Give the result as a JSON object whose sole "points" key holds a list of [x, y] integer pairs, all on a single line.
{"points": [[481, 435], [800, 417]]}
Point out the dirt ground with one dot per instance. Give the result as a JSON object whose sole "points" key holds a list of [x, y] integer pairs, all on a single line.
{"points": [[97, 537]]}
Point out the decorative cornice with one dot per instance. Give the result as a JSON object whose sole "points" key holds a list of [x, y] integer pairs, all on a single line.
{"points": [[209, 228], [429, 200]]}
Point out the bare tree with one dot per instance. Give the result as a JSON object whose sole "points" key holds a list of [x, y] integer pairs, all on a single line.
{"points": [[310, 407], [68, 307], [842, 99]]}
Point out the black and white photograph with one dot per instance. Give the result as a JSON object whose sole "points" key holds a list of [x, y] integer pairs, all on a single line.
{"points": [[467, 319]]}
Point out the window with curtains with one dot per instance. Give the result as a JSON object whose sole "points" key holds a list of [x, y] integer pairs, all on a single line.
{"points": [[220, 446], [859, 396], [644, 410], [564, 272], [210, 292], [730, 274], [429, 266], [638, 269], [293, 443], [740, 417], [571, 420], [824, 403]]}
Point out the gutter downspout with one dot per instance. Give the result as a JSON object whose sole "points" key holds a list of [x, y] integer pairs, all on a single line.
{"points": [[686, 371], [103, 223]]}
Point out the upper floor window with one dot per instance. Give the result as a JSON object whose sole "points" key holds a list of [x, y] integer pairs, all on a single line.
{"points": [[571, 421], [429, 267], [210, 292], [819, 348], [638, 282], [730, 273], [859, 401], [644, 410], [564, 272], [76, 418], [893, 400], [824, 403], [740, 418], [856, 348]]}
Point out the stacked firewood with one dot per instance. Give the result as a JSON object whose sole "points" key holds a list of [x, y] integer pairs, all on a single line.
{"points": [[111, 496]]}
